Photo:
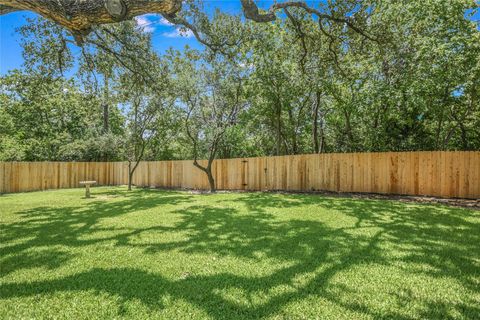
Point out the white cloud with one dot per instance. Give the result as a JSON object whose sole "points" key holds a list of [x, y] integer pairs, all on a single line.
{"points": [[144, 23], [148, 22], [177, 33], [164, 22]]}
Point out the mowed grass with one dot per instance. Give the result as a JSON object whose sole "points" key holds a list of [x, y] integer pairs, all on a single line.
{"points": [[176, 255]]}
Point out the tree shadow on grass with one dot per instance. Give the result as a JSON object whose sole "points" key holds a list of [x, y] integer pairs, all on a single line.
{"points": [[205, 291], [44, 227], [434, 241], [442, 240]]}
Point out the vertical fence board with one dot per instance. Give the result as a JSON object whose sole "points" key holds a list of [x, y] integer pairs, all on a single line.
{"points": [[446, 174]]}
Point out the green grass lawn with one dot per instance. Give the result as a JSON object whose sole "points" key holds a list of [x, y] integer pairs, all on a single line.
{"points": [[175, 255]]}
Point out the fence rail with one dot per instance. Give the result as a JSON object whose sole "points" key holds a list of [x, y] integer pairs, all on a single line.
{"points": [[445, 174]]}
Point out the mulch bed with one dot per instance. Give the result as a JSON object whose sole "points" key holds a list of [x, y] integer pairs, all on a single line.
{"points": [[455, 202]]}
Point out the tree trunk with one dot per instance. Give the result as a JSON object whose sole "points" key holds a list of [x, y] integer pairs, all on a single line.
{"points": [[131, 171], [208, 172], [322, 136], [316, 107], [348, 129], [106, 97], [105, 118], [130, 176], [278, 118], [211, 180], [291, 119]]}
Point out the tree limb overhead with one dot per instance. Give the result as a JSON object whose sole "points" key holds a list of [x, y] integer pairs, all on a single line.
{"points": [[79, 16]]}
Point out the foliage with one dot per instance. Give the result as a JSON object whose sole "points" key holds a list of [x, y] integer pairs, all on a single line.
{"points": [[50, 119], [406, 78], [212, 103]]}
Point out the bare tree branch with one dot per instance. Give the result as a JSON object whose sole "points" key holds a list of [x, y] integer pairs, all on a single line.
{"points": [[301, 36], [251, 11]]}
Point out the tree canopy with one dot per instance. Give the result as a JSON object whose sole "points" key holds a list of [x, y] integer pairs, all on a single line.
{"points": [[343, 76]]}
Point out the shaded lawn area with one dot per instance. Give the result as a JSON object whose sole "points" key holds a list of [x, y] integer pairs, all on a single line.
{"points": [[175, 255]]}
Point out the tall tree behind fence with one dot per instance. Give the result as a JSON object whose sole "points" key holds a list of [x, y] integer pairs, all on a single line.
{"points": [[446, 174]]}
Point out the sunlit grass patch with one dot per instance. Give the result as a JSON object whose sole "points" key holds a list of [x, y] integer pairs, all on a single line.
{"points": [[167, 254]]}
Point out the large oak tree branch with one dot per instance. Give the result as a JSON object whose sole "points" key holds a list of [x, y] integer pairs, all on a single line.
{"points": [[79, 16], [252, 12]]}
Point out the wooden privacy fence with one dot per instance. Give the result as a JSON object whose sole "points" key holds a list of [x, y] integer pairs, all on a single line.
{"points": [[445, 174]]}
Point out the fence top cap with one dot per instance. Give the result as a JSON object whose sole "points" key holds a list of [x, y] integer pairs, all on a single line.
{"points": [[88, 182]]}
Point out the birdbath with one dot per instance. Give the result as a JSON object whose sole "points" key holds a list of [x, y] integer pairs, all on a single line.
{"points": [[87, 185]]}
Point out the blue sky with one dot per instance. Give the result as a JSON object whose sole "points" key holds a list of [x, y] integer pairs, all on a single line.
{"points": [[164, 35]]}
